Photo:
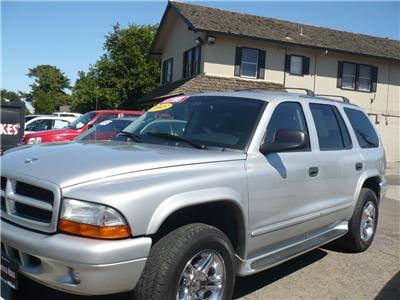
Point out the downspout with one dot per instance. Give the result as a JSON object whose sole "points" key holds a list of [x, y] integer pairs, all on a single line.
{"points": [[387, 95], [284, 68]]}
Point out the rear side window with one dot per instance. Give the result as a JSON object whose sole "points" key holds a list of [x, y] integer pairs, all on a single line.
{"points": [[331, 129], [287, 115], [365, 133]]}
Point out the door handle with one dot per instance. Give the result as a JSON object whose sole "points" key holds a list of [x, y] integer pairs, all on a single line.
{"points": [[313, 171], [359, 166]]}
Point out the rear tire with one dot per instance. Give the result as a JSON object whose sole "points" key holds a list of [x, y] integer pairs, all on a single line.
{"points": [[363, 223], [193, 259]]}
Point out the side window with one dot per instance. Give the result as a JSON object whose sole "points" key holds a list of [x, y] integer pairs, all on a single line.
{"points": [[329, 130], [60, 124], [39, 125], [365, 133], [287, 115]]}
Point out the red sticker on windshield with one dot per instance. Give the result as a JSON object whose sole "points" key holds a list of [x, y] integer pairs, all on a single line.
{"points": [[178, 99]]}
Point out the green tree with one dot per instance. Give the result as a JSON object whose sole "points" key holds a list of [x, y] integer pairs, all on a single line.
{"points": [[122, 75], [9, 95], [48, 90]]}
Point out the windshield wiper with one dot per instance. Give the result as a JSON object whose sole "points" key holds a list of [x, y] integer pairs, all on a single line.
{"points": [[177, 138], [366, 139], [136, 138]]}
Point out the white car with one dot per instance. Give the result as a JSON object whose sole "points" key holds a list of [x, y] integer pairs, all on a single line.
{"points": [[66, 114], [47, 123]]}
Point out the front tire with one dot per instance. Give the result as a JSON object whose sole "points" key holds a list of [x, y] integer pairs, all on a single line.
{"points": [[363, 224], [195, 261]]}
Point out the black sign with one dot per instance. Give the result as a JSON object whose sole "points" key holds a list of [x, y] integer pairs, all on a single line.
{"points": [[12, 124], [9, 272]]}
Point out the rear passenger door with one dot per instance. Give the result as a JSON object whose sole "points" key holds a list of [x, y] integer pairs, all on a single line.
{"points": [[338, 161]]}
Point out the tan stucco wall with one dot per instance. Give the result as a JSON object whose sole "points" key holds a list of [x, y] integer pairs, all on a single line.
{"points": [[219, 60], [179, 40]]}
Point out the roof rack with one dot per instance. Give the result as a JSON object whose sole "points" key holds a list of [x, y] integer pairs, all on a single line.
{"points": [[309, 92], [345, 99]]}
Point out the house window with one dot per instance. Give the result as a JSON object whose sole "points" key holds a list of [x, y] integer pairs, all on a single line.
{"points": [[358, 77], [249, 63], [191, 62], [297, 65], [167, 71]]}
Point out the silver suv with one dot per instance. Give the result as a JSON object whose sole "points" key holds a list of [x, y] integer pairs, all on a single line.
{"points": [[198, 190]]}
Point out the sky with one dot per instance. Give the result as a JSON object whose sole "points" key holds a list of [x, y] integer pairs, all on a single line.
{"points": [[70, 35]]}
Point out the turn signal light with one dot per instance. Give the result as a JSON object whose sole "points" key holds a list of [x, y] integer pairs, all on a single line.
{"points": [[102, 232]]}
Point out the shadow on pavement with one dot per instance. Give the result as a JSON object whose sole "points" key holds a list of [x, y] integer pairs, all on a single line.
{"points": [[391, 290], [244, 285], [249, 284]]}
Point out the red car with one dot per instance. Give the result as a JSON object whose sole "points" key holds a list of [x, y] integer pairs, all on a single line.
{"points": [[77, 127]]}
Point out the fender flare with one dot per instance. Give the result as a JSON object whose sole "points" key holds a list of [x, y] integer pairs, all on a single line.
{"points": [[187, 199]]}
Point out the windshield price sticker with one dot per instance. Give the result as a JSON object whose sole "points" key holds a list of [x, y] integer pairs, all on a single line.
{"points": [[178, 99], [161, 106]]}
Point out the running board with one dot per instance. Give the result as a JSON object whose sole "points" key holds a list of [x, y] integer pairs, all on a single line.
{"points": [[276, 257]]}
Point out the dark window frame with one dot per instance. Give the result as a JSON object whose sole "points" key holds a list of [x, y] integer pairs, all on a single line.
{"points": [[261, 62], [337, 114], [165, 79], [308, 147], [374, 77], [189, 69], [305, 68]]}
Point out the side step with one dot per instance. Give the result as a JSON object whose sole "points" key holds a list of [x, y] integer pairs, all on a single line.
{"points": [[279, 256]]}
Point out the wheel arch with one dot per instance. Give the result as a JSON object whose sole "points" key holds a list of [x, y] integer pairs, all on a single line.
{"points": [[222, 208]]}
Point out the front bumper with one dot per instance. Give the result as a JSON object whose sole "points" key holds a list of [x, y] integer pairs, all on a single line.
{"points": [[75, 264]]}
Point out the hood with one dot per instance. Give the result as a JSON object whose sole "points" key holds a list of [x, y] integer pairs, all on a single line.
{"points": [[53, 132], [71, 163]]}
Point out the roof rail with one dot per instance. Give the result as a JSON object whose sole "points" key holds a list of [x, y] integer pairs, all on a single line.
{"points": [[345, 99], [309, 92]]}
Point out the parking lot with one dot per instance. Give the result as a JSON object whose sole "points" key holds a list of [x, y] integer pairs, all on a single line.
{"points": [[325, 273]]}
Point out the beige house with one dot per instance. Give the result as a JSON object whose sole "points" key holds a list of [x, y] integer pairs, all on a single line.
{"points": [[207, 49]]}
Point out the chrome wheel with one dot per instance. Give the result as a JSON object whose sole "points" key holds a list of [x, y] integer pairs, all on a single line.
{"points": [[203, 277], [367, 226]]}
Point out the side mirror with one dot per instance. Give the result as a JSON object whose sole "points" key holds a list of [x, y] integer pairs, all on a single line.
{"points": [[90, 125], [285, 140]]}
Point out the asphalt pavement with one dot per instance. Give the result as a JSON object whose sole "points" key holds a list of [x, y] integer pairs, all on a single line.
{"points": [[325, 273]]}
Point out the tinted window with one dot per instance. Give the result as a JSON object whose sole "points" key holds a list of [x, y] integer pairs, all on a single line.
{"points": [[287, 115], [365, 133], [82, 120], [330, 136], [39, 125], [105, 117], [343, 128]]}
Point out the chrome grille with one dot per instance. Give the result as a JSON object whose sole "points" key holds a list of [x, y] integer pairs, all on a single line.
{"points": [[30, 202]]}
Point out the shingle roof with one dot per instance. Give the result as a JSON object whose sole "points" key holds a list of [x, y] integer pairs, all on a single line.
{"points": [[214, 20], [207, 83]]}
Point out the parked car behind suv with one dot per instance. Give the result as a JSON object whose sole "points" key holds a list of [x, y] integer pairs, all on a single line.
{"points": [[77, 127], [252, 180], [105, 130], [47, 123]]}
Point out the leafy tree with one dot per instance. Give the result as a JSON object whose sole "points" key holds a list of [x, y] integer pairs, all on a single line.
{"points": [[48, 90], [9, 95], [122, 75]]}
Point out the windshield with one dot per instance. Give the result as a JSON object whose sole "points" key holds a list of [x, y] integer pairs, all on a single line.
{"points": [[105, 130], [206, 121], [82, 120]]}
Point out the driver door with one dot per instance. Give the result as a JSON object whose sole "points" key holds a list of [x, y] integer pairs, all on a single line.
{"points": [[283, 194]]}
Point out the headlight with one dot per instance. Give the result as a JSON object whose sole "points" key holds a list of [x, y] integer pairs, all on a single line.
{"points": [[92, 220], [35, 140]]}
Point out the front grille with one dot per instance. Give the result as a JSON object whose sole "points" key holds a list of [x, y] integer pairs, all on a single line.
{"points": [[33, 213], [35, 192], [3, 183], [30, 203]]}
